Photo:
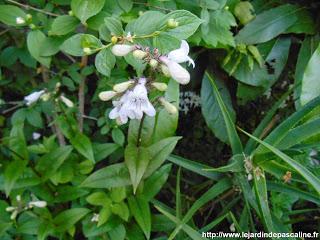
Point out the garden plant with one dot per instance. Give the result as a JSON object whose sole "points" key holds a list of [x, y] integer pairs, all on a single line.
{"points": [[159, 119]]}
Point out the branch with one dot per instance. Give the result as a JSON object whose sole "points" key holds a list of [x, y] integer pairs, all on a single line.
{"points": [[27, 7], [81, 96]]}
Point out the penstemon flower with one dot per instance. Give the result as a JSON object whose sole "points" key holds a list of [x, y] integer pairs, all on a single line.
{"points": [[33, 97], [39, 204], [180, 55], [67, 101]]}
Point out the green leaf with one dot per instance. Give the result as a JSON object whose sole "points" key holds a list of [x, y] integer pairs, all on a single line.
{"points": [[140, 209], [118, 136], [98, 199], [114, 25], [304, 172], [49, 163], [69, 193], [104, 214], [84, 9], [118, 194], [275, 56], [118, 233], [233, 137], [126, 5], [211, 109], [137, 160], [154, 183], [102, 151], [17, 142], [50, 46], [9, 14], [12, 173], [188, 24], [75, 44], [34, 118], [105, 62], [115, 175], [67, 219], [121, 209], [63, 25], [310, 82], [193, 166], [307, 48], [148, 23], [83, 145], [260, 188], [35, 40], [305, 23], [268, 25], [216, 27]]}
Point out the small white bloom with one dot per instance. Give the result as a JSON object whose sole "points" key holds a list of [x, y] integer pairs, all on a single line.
{"points": [[20, 20], [33, 97], [232, 228], [10, 209], [87, 50], [118, 112], [36, 136], [138, 102], [177, 72], [121, 50], [95, 218], [122, 87], [39, 204], [107, 95], [180, 55], [67, 101], [168, 106], [139, 54], [18, 197], [160, 86], [165, 70]]}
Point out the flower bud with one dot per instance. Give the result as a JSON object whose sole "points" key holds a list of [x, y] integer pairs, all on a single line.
{"points": [[177, 72], [87, 50], [170, 108], [160, 86], [33, 97], [121, 50], [70, 13], [107, 95], [45, 97], [153, 63], [114, 39], [32, 26], [141, 13], [14, 215], [165, 70], [139, 54], [18, 197], [28, 16], [171, 23], [20, 21], [39, 204], [122, 87], [36, 136], [66, 101], [10, 209]]}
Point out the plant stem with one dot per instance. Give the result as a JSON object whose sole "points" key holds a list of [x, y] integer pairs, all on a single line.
{"points": [[155, 7], [140, 130], [33, 8], [81, 96]]}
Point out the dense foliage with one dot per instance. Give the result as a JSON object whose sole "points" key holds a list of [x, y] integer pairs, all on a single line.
{"points": [[90, 95]]}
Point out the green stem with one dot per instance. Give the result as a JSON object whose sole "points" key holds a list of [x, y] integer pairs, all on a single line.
{"points": [[140, 131], [33, 8]]}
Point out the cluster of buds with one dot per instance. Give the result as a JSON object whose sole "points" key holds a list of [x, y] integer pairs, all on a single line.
{"points": [[44, 95], [24, 20], [132, 99], [20, 207], [168, 64]]}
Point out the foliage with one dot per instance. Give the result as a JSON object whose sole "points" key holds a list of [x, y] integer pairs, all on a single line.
{"points": [[73, 167]]}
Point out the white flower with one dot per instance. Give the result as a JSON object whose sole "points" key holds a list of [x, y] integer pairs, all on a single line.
{"points": [[121, 50], [139, 54], [11, 209], [122, 87], [36, 136], [118, 112], [95, 218], [180, 55], [33, 97], [168, 106], [39, 204], [66, 101], [18, 197], [107, 95], [138, 102], [14, 215], [177, 72], [20, 20]]}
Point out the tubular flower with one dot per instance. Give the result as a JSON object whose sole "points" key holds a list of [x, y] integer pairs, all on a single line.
{"points": [[180, 55], [39, 204], [20, 20], [122, 87], [168, 106], [67, 101], [121, 50], [177, 72], [33, 97], [118, 112], [160, 86]]}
